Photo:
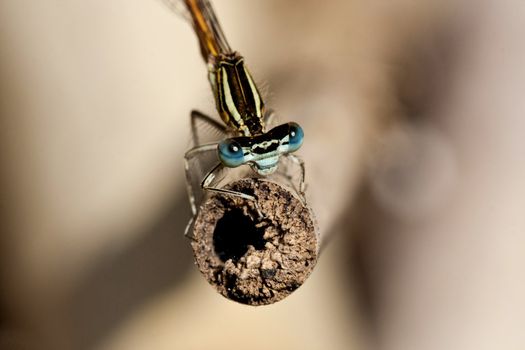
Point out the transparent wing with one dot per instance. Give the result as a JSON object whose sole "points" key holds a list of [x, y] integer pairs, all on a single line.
{"points": [[207, 12], [179, 8], [200, 14]]}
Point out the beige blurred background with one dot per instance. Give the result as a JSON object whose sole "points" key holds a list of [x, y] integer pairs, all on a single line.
{"points": [[415, 151]]}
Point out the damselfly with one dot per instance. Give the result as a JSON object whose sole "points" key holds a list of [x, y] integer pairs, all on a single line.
{"points": [[242, 110]]}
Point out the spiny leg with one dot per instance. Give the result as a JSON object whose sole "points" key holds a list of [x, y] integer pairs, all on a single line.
{"points": [[188, 228], [196, 115], [302, 187], [207, 185], [194, 152]]}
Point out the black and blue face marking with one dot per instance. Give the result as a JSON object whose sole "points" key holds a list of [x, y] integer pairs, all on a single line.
{"points": [[261, 151]]}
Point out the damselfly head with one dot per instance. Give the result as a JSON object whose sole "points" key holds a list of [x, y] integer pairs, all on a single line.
{"points": [[263, 151]]}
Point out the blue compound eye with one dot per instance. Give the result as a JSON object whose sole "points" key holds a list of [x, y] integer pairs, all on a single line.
{"points": [[230, 153], [296, 136]]}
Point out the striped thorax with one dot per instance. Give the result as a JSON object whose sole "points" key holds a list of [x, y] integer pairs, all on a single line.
{"points": [[237, 98]]}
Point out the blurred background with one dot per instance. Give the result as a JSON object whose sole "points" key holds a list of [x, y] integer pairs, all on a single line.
{"points": [[413, 114]]}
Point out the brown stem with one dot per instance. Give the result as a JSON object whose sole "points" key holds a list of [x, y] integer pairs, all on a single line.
{"points": [[251, 259]]}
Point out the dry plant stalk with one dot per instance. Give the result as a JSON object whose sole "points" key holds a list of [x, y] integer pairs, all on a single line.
{"points": [[251, 259]]}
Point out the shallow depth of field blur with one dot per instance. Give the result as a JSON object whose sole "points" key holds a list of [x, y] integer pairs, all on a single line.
{"points": [[415, 150]]}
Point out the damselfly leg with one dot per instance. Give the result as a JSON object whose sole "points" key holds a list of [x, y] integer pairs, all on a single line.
{"points": [[210, 181], [302, 186], [208, 122]]}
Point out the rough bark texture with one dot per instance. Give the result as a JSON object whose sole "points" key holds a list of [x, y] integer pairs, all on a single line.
{"points": [[251, 259]]}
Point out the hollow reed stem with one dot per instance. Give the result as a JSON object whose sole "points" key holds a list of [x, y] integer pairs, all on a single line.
{"points": [[254, 259]]}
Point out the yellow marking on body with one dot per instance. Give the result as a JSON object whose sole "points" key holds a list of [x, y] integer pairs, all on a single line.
{"points": [[203, 30], [229, 100]]}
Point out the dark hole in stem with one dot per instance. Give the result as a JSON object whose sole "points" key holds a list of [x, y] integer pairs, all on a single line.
{"points": [[233, 234]]}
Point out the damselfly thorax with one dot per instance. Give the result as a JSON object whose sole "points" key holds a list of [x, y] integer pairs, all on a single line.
{"points": [[238, 100], [247, 138]]}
